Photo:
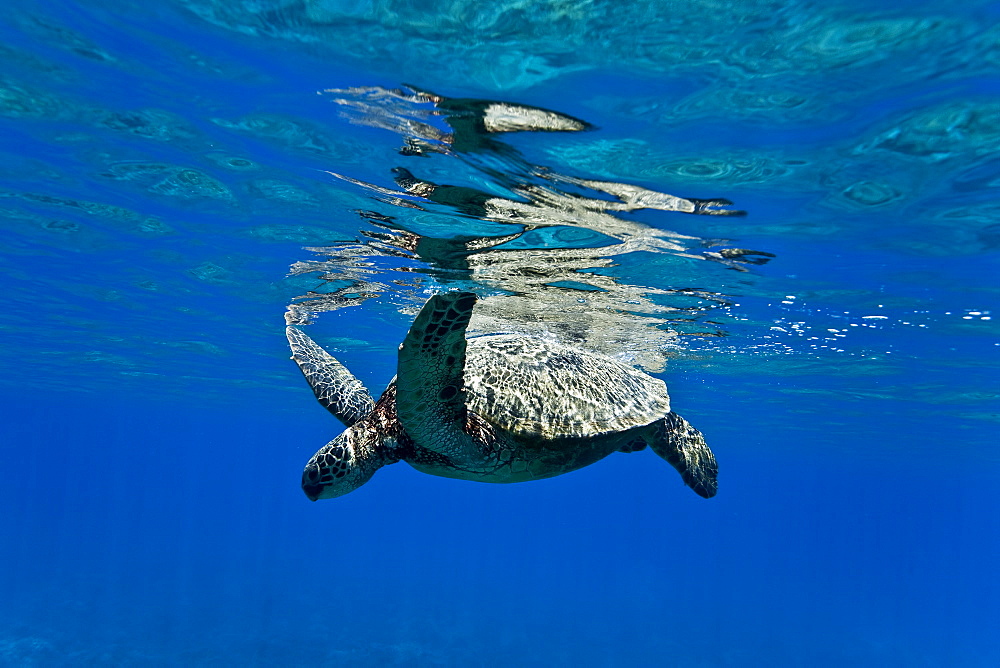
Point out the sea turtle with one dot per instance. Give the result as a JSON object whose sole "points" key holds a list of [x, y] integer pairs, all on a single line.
{"points": [[495, 408]]}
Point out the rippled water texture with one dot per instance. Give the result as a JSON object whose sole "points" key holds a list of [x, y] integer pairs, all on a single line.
{"points": [[787, 210], [186, 151]]}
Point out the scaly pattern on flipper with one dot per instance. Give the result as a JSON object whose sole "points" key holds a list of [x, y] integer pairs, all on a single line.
{"points": [[335, 387], [431, 375], [684, 447]]}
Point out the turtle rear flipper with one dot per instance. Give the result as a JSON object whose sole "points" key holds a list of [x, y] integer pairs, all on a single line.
{"points": [[335, 387], [683, 446]]}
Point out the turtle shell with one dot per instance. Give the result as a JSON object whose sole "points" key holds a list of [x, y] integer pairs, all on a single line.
{"points": [[539, 389]]}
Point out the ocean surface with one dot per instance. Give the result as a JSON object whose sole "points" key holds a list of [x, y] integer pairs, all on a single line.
{"points": [[788, 211]]}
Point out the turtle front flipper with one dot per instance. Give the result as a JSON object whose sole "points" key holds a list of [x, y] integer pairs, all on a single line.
{"points": [[674, 439], [430, 383], [335, 387]]}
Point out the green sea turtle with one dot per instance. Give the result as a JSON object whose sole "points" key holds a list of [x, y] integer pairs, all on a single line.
{"points": [[499, 408]]}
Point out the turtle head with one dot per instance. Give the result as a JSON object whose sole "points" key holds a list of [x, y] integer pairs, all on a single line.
{"points": [[341, 466]]}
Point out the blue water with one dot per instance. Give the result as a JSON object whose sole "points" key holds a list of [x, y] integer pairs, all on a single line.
{"points": [[169, 192]]}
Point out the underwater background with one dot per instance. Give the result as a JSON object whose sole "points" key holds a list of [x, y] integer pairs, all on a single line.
{"points": [[178, 178]]}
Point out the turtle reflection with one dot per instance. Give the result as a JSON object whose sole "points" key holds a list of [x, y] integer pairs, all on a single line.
{"points": [[570, 294], [547, 244]]}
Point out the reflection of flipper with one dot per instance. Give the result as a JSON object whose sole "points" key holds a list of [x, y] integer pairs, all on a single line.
{"points": [[734, 257], [494, 116], [632, 197], [414, 146], [706, 207], [743, 255]]}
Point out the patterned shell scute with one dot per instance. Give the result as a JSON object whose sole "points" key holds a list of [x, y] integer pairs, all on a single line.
{"points": [[538, 389]]}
